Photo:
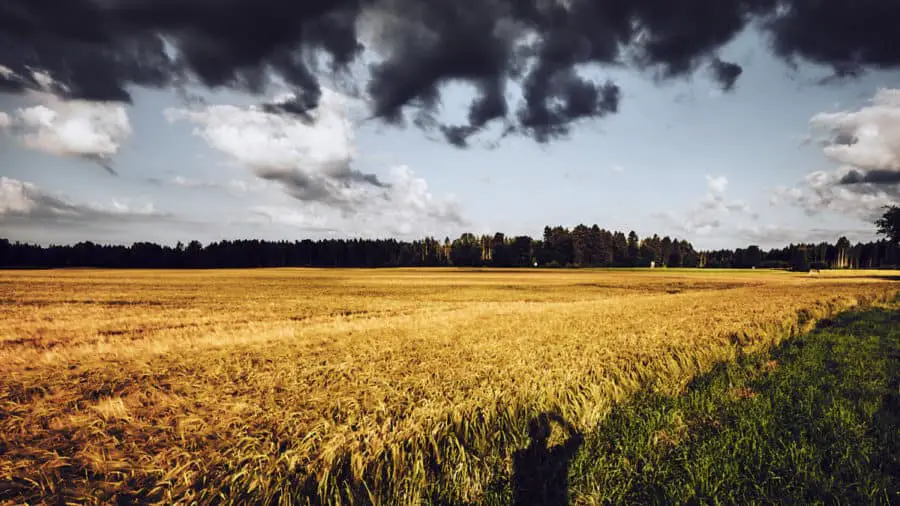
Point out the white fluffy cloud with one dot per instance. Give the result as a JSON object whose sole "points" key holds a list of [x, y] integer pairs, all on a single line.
{"points": [[313, 161], [24, 202], [405, 208], [822, 191], [867, 145], [717, 185], [869, 138], [711, 212], [259, 139], [16, 197], [76, 128], [717, 220]]}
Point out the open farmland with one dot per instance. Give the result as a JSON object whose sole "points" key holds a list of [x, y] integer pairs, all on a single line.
{"points": [[351, 385]]}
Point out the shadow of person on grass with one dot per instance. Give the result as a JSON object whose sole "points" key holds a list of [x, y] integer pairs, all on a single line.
{"points": [[540, 473]]}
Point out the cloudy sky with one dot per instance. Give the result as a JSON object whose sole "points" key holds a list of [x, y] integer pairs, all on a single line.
{"points": [[767, 155]]}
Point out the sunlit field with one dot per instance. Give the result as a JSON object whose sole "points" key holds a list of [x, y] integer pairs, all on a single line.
{"points": [[352, 386]]}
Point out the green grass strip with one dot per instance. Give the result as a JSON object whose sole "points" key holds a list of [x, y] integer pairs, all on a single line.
{"points": [[814, 421]]}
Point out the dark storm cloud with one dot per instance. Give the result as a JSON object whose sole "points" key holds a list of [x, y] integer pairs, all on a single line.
{"points": [[316, 187], [10, 84], [876, 177], [847, 35], [301, 105], [489, 105], [99, 48], [726, 73]]}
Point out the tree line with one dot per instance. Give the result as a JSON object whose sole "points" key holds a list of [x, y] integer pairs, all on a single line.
{"points": [[581, 246], [883, 254], [803, 257]]}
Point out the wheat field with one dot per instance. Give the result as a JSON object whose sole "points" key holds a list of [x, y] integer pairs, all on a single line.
{"points": [[396, 386]]}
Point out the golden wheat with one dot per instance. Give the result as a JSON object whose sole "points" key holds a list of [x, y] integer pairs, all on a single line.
{"points": [[349, 386]]}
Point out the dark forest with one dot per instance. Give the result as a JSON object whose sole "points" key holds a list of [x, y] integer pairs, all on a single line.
{"points": [[581, 246]]}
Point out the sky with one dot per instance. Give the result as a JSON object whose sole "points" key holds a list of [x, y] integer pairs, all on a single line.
{"points": [[779, 155]]}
